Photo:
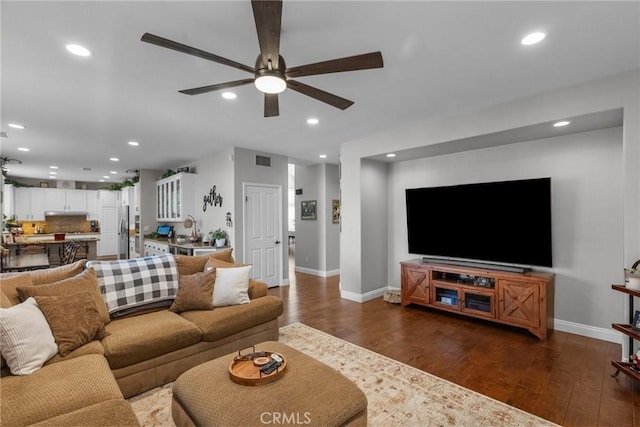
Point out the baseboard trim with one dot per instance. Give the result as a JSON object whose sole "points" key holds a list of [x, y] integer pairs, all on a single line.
{"points": [[588, 331], [352, 296], [319, 273]]}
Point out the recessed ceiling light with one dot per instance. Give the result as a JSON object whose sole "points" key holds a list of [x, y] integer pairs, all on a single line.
{"points": [[533, 38], [133, 143], [561, 123], [229, 95], [113, 172], [16, 126], [101, 180], [391, 155], [22, 149], [114, 159], [53, 173], [313, 121], [76, 49], [323, 156], [106, 176], [53, 167]]}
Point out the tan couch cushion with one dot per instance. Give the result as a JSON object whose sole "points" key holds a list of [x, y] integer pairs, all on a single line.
{"points": [[138, 338], [194, 292], [195, 264], [94, 347], [74, 320], [85, 281], [110, 413], [56, 389], [224, 321]]}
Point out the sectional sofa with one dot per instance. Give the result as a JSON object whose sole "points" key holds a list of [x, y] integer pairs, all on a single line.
{"points": [[141, 348]]}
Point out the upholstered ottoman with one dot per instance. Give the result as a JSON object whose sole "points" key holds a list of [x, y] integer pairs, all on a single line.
{"points": [[308, 393]]}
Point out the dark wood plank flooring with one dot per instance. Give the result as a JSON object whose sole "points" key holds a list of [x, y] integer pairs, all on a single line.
{"points": [[565, 379]]}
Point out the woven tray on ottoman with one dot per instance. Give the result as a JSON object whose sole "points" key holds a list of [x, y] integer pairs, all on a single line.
{"points": [[309, 392]]}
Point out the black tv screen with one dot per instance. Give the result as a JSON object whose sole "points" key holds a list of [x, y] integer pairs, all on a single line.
{"points": [[504, 222]]}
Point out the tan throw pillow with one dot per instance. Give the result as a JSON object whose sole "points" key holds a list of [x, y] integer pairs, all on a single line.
{"points": [[231, 286], [10, 287], [26, 338], [224, 255], [73, 319], [213, 263], [87, 281], [195, 292]]}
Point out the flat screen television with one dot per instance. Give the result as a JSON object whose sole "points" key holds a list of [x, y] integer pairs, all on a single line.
{"points": [[501, 222]]}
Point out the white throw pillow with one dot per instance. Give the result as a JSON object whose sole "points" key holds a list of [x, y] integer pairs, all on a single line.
{"points": [[26, 338], [231, 286]]}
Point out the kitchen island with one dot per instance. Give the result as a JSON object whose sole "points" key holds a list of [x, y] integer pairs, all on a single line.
{"points": [[87, 241]]}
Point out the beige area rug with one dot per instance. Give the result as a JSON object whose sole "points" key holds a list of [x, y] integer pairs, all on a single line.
{"points": [[398, 394]]}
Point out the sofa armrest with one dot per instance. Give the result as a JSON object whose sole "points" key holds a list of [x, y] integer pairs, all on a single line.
{"points": [[257, 289]]}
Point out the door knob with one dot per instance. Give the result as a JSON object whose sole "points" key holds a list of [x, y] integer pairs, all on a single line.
{"points": [[277, 242]]}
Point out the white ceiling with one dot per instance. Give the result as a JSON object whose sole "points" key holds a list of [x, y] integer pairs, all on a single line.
{"points": [[441, 58]]}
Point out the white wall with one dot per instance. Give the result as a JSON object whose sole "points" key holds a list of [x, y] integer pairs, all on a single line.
{"points": [[318, 241], [332, 231], [587, 210], [217, 171], [620, 91], [308, 233]]}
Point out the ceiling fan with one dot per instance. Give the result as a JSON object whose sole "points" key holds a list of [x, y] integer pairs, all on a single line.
{"points": [[270, 74]]}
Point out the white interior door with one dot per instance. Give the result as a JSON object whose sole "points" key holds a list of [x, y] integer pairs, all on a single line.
{"points": [[263, 232]]}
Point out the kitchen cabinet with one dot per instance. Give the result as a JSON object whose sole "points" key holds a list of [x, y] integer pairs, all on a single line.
{"points": [[175, 197], [108, 244], [30, 204], [109, 198], [59, 199], [8, 200], [92, 197], [153, 247]]}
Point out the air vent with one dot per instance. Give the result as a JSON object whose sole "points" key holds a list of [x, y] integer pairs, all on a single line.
{"points": [[86, 169], [263, 161], [3, 135]]}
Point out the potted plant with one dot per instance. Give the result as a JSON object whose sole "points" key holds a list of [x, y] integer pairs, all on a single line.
{"points": [[220, 236]]}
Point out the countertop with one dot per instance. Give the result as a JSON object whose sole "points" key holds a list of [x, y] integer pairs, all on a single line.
{"points": [[48, 239]]}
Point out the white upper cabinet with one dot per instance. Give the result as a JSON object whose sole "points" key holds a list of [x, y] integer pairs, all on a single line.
{"points": [[92, 197], [58, 199], [30, 203], [175, 197]]}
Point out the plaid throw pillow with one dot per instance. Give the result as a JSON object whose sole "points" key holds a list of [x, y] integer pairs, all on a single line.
{"points": [[135, 282]]}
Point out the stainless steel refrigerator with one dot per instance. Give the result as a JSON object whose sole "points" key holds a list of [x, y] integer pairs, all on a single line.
{"points": [[123, 232]]}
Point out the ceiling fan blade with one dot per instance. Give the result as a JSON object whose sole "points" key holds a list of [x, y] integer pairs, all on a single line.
{"points": [[211, 88], [268, 17], [170, 44], [271, 108], [351, 63], [320, 95]]}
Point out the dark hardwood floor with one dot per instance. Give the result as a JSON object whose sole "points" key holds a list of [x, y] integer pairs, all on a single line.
{"points": [[565, 379]]}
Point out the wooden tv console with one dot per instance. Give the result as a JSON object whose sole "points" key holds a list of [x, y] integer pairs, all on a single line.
{"points": [[524, 300]]}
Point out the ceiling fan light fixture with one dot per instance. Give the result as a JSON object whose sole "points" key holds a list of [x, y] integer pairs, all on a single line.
{"points": [[270, 83]]}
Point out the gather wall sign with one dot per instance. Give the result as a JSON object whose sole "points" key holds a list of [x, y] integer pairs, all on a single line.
{"points": [[213, 198]]}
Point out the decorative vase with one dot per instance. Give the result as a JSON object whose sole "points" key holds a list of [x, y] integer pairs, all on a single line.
{"points": [[633, 283]]}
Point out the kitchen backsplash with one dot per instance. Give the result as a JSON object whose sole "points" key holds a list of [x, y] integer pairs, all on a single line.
{"points": [[58, 224]]}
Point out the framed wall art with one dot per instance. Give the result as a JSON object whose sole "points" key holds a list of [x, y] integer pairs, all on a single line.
{"points": [[309, 209], [335, 211]]}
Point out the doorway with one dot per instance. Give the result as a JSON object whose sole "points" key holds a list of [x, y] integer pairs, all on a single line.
{"points": [[263, 232]]}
